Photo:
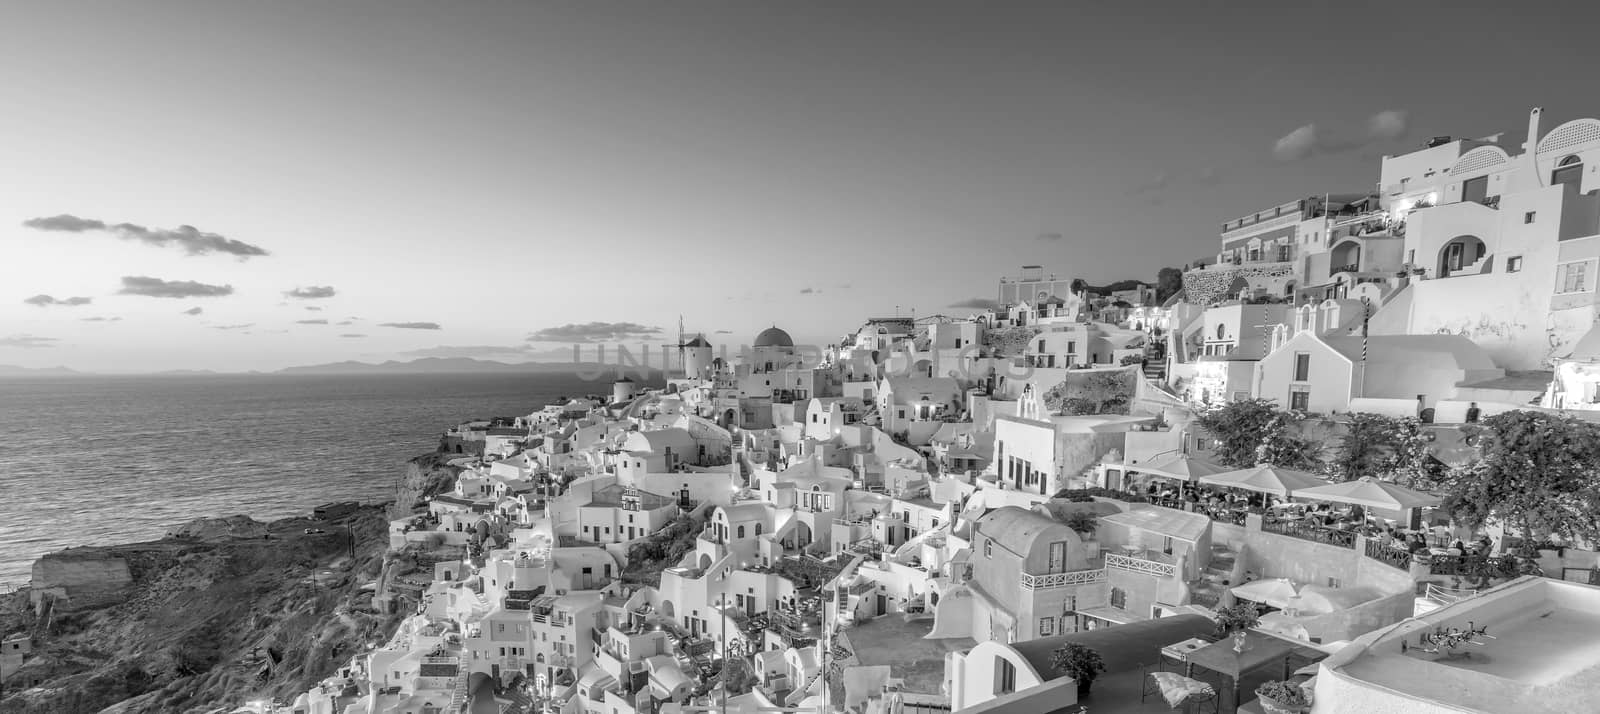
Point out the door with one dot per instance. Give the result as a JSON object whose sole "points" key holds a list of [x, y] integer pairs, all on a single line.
{"points": [[883, 605], [1453, 256], [1058, 557]]}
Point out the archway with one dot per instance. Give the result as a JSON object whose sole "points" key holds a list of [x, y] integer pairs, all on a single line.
{"points": [[1456, 256], [705, 561], [1345, 257], [668, 611]]}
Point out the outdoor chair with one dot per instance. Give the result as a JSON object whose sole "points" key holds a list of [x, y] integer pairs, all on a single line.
{"points": [[1205, 700]]}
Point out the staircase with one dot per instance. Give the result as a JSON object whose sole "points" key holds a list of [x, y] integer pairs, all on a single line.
{"points": [[1207, 591], [458, 697]]}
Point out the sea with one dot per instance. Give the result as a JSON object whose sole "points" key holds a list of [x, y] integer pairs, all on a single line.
{"points": [[105, 460]]}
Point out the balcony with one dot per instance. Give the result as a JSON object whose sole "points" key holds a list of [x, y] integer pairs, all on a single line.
{"points": [[1141, 565], [1073, 578]]}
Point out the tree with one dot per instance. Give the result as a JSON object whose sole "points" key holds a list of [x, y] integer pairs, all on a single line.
{"points": [[1168, 282], [1084, 522], [1237, 618], [1537, 473], [1367, 448], [1250, 432]]}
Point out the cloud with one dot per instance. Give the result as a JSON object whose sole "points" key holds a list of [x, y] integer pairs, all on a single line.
{"points": [[315, 292], [102, 319], [411, 325], [313, 308], [843, 286], [66, 223], [233, 327], [47, 301], [351, 334], [1164, 183], [1050, 237], [976, 304], [344, 322], [470, 351], [1307, 141], [1387, 124], [158, 288], [594, 332], [192, 240], [1297, 144], [194, 311], [28, 342], [310, 322], [810, 291], [723, 332]]}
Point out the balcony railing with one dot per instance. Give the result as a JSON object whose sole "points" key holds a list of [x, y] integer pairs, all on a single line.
{"points": [[1313, 533], [1140, 565], [1474, 566], [1071, 578], [1380, 552]]}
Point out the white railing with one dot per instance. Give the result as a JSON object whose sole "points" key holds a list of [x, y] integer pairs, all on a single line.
{"points": [[1062, 580], [1447, 596], [1140, 565]]}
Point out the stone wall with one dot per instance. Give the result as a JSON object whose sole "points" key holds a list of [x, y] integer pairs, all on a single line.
{"points": [[77, 581]]}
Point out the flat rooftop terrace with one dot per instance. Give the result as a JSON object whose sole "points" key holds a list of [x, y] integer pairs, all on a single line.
{"points": [[891, 640], [1538, 654]]}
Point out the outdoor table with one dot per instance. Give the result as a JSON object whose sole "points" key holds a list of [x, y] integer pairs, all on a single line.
{"points": [[1260, 651], [1180, 650]]}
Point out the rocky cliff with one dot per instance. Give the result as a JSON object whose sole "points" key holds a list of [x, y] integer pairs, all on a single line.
{"points": [[220, 612]]}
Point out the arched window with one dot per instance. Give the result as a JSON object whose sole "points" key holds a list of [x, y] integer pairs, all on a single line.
{"points": [[741, 531], [1568, 170], [1221, 331], [758, 529]]}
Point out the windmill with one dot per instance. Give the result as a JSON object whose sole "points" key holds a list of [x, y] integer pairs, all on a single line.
{"points": [[684, 344]]}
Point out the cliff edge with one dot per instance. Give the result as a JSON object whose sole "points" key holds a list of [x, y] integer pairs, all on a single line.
{"points": [[220, 612]]}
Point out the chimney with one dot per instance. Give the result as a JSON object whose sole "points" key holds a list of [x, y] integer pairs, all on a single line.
{"points": [[1533, 129]]}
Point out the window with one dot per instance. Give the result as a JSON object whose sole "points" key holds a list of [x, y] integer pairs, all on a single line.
{"points": [[1513, 263], [1221, 331], [1005, 680], [1475, 190], [1302, 366], [1529, 216], [1283, 253], [1573, 277], [988, 547], [1569, 170], [1047, 626], [1334, 583], [1299, 399]]}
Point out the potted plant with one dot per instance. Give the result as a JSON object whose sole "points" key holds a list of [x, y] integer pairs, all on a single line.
{"points": [[1279, 697], [1236, 621], [1078, 662]]}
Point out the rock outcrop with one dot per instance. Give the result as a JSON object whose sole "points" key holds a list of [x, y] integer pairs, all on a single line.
{"points": [[222, 611]]}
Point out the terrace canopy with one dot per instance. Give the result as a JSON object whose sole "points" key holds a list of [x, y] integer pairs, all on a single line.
{"points": [[1276, 592], [1265, 479], [1371, 493], [1179, 466]]}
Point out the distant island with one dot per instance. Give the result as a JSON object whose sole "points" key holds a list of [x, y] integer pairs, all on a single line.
{"points": [[439, 365], [9, 370], [426, 365]]}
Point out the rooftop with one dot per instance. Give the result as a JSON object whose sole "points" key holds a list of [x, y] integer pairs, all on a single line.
{"points": [[892, 640], [1537, 654]]}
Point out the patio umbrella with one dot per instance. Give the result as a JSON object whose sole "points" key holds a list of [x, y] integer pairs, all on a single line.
{"points": [[1265, 479], [1180, 467], [1371, 493], [1273, 593]]}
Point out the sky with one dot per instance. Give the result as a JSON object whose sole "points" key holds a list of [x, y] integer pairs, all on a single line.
{"points": [[253, 185]]}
